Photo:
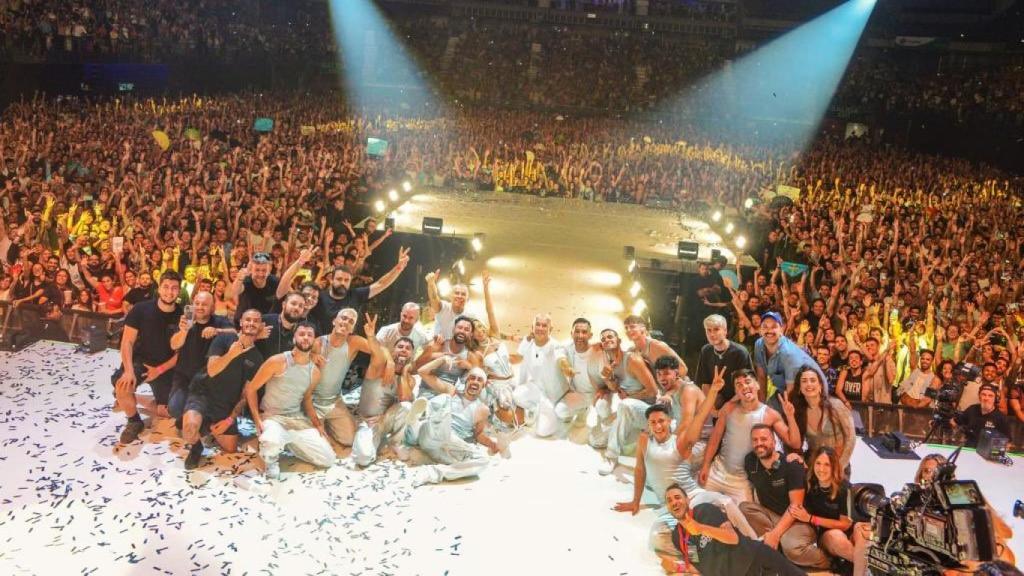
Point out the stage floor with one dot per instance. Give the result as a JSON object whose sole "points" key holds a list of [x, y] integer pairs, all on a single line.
{"points": [[73, 501]]}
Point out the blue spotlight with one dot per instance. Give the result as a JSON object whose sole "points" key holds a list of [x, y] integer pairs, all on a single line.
{"points": [[376, 66], [789, 82]]}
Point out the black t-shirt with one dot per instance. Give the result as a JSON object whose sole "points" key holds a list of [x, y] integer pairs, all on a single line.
{"points": [[263, 299], [772, 486], [711, 557], [192, 354], [223, 391], [327, 307], [138, 294], [153, 344], [973, 422], [819, 502], [280, 339], [734, 358]]}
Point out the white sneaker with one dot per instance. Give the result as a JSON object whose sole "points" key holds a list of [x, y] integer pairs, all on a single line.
{"points": [[426, 475], [417, 410], [608, 465], [273, 471]]}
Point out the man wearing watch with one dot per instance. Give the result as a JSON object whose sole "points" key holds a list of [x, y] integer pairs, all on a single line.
{"points": [[215, 397]]}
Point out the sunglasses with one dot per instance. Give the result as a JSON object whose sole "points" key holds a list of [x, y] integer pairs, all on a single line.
{"points": [[261, 257]]}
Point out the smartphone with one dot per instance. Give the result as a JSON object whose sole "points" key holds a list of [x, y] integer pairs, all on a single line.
{"points": [[190, 314], [117, 244]]}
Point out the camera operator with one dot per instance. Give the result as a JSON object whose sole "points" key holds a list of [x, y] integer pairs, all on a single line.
{"points": [[981, 416]]}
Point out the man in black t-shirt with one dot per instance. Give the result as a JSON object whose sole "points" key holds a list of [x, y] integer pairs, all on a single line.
{"points": [[191, 341], [778, 484], [280, 328], [256, 287], [710, 544], [719, 352], [143, 290], [146, 354], [215, 398], [981, 416], [340, 295]]}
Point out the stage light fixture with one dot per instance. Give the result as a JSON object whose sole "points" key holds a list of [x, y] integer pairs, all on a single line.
{"points": [[741, 241], [716, 216], [639, 306], [748, 203], [444, 286], [629, 252], [379, 205], [407, 186], [729, 227], [635, 289], [631, 267], [393, 195], [477, 242], [461, 266]]}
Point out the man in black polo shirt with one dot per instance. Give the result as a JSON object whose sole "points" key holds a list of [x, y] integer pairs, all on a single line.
{"points": [[719, 352], [710, 544], [778, 484], [146, 354], [981, 416], [191, 341], [256, 287], [280, 328], [215, 398]]}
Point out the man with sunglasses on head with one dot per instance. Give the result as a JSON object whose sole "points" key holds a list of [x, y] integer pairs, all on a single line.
{"points": [[340, 293], [255, 287]]}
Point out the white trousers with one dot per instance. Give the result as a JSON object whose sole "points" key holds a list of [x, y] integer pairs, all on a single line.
{"points": [[298, 435], [735, 486], [630, 421], [454, 457], [600, 419], [372, 432]]}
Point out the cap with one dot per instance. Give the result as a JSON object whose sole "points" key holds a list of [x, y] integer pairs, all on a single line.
{"points": [[774, 316]]}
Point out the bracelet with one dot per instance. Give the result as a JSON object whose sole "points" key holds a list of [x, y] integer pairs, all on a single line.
{"points": [[680, 567], [815, 521]]}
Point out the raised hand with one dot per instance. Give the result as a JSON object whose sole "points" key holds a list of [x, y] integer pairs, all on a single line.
{"points": [[370, 326], [718, 381]]}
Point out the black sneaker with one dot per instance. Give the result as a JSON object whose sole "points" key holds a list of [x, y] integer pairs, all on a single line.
{"points": [[130, 432], [195, 455]]}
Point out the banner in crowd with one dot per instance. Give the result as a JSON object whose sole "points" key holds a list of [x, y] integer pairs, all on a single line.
{"points": [[376, 147], [263, 125], [730, 278], [162, 140], [793, 269], [791, 192]]}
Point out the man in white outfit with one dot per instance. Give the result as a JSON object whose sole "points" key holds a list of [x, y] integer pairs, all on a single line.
{"points": [[587, 392], [286, 417], [408, 326], [446, 312], [452, 433], [542, 383]]}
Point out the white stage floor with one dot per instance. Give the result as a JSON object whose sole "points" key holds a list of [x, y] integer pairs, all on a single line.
{"points": [[71, 501]]}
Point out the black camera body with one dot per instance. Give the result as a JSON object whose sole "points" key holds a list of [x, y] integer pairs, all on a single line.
{"points": [[925, 530]]}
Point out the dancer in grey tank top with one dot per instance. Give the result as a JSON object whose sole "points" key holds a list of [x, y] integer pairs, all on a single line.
{"points": [[448, 361], [724, 472], [386, 398], [333, 353], [624, 371], [286, 418]]}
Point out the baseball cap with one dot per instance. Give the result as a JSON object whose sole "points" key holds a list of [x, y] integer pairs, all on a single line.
{"points": [[774, 316]]}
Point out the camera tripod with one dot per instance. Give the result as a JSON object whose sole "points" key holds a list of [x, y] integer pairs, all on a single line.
{"points": [[942, 423]]}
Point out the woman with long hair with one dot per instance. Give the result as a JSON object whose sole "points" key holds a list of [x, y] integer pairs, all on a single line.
{"points": [[826, 505], [822, 420]]}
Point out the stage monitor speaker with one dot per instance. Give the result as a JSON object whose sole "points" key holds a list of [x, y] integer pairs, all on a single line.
{"points": [[992, 445], [655, 264], [897, 443], [687, 250], [389, 223], [432, 225], [715, 254], [629, 252]]}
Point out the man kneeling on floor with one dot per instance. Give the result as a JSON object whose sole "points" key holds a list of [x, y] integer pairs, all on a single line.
{"points": [[709, 544], [286, 418], [453, 432], [215, 399]]}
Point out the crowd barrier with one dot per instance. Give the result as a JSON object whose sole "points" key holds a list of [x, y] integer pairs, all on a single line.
{"points": [[874, 419]]}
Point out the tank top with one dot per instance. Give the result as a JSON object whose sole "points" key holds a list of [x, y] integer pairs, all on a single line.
{"points": [[662, 462], [375, 398], [462, 417], [626, 380], [332, 375], [446, 372], [497, 361], [828, 435], [853, 386], [736, 442], [284, 393]]}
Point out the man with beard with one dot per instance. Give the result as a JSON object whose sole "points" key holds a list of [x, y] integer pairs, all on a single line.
{"points": [[142, 290], [625, 374], [255, 287], [723, 470], [650, 349], [720, 352], [912, 391], [778, 359], [708, 543], [334, 353], [446, 312], [384, 401], [442, 365], [191, 342], [453, 433], [286, 417], [279, 329], [146, 354], [407, 327], [587, 392], [215, 400], [338, 295]]}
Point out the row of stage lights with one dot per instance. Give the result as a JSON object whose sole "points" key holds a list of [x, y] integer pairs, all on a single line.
{"points": [[636, 289], [740, 241], [393, 197]]}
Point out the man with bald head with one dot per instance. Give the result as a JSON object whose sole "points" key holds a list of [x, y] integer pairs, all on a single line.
{"points": [[192, 342], [408, 326], [446, 312]]}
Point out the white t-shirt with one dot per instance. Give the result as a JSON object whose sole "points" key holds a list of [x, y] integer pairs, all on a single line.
{"points": [[916, 384], [584, 365], [388, 335], [540, 367], [444, 320]]}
